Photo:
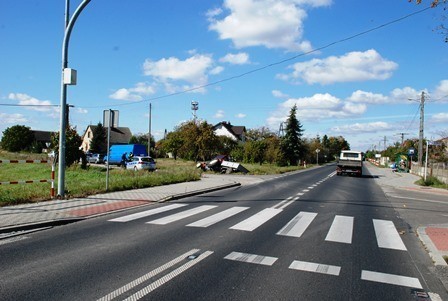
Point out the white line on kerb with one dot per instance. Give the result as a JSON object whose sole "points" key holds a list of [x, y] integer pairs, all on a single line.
{"points": [[390, 279]]}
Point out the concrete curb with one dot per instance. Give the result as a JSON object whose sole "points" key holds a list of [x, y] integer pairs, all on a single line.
{"points": [[17, 230], [431, 248]]}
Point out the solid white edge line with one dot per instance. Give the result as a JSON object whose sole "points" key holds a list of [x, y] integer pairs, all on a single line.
{"points": [[391, 279], [161, 281], [147, 276]]}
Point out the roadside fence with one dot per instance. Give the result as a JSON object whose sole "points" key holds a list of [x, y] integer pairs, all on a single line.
{"points": [[53, 163]]}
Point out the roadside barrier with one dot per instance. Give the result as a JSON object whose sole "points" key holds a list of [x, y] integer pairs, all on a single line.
{"points": [[31, 181]]}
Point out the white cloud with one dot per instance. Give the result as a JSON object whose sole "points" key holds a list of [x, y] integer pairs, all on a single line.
{"points": [[192, 70], [279, 94], [236, 59], [12, 118], [441, 92], [125, 94], [268, 23], [362, 128], [351, 67], [240, 115], [32, 103], [440, 118], [134, 94], [216, 70], [367, 97], [219, 114]]}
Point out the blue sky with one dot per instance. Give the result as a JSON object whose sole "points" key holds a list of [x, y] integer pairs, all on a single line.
{"points": [[243, 61]]}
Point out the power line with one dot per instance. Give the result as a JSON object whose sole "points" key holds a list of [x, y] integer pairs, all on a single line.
{"points": [[271, 64]]}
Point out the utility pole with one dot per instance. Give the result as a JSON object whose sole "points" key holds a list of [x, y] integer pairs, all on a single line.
{"points": [[420, 136], [69, 23], [402, 137], [149, 132]]}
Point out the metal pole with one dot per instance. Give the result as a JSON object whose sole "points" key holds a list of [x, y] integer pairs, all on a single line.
{"points": [[426, 161], [63, 105], [420, 137], [149, 132], [108, 150]]}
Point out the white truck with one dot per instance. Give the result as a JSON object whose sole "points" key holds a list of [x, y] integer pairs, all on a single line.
{"points": [[350, 162]]}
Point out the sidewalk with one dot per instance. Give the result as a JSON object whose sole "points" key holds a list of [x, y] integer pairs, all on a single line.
{"points": [[30, 216], [434, 237]]}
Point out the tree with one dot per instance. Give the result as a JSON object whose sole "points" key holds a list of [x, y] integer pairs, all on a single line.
{"points": [[143, 140], [72, 143], [99, 139], [437, 3], [17, 138], [292, 144]]}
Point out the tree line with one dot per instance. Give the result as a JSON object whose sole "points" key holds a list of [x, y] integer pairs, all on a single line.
{"points": [[197, 141]]}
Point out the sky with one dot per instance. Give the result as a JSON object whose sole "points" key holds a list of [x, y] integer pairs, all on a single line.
{"points": [[354, 69]]}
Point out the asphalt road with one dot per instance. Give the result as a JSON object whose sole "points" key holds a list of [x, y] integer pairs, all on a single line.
{"points": [[305, 236]]}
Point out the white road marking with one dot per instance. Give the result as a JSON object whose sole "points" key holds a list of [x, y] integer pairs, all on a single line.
{"points": [[298, 224], [146, 213], [181, 215], [391, 279], [251, 258], [315, 267], [147, 276], [387, 235], [213, 219], [159, 282], [341, 229], [282, 202], [256, 220]]}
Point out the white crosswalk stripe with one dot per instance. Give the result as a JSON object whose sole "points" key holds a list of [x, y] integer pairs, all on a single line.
{"points": [[146, 213], [211, 220], [181, 215], [298, 224], [256, 220], [341, 229], [387, 235]]}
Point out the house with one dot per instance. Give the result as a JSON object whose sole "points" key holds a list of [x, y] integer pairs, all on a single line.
{"points": [[118, 135], [234, 132]]}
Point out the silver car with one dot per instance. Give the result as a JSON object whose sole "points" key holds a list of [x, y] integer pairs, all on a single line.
{"points": [[141, 162], [95, 158]]}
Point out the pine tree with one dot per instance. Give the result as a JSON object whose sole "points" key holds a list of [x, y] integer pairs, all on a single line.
{"points": [[292, 143], [98, 142]]}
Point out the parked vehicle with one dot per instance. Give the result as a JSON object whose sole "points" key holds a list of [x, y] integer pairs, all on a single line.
{"points": [[94, 158], [350, 162], [117, 151], [141, 163]]}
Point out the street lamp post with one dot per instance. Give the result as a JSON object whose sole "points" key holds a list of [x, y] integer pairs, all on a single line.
{"points": [[63, 106]]}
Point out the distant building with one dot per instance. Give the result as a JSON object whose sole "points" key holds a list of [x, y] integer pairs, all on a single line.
{"points": [[234, 132], [118, 135]]}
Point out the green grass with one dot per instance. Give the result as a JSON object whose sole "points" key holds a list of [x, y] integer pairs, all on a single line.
{"points": [[432, 182], [83, 182]]}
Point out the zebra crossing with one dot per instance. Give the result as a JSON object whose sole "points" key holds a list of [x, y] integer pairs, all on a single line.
{"points": [[340, 230]]}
